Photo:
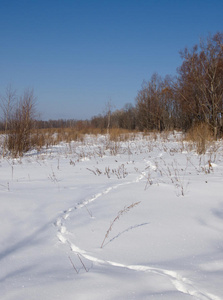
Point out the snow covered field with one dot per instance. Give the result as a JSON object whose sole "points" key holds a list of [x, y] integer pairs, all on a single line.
{"points": [[137, 219]]}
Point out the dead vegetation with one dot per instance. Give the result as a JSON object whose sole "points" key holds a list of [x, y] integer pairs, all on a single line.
{"points": [[201, 136]]}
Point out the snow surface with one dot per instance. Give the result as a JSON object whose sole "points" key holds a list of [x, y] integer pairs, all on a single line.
{"points": [[135, 219]]}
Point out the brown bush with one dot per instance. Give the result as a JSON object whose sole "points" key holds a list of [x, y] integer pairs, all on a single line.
{"points": [[20, 125], [201, 135]]}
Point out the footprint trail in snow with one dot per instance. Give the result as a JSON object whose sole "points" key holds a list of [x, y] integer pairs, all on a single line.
{"points": [[181, 284]]}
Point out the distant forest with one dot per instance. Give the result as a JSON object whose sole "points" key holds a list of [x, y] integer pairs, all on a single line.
{"points": [[193, 96]]}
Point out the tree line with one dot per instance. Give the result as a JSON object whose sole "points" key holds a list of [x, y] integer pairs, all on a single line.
{"points": [[194, 96]]}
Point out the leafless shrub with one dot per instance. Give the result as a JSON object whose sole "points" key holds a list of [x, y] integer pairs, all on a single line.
{"points": [[7, 104], [20, 125]]}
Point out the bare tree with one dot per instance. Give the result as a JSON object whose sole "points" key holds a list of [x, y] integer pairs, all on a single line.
{"points": [[108, 112], [7, 105], [21, 124], [200, 82], [128, 116], [154, 104]]}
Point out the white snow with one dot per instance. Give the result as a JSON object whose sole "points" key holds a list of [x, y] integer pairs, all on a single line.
{"points": [[156, 204]]}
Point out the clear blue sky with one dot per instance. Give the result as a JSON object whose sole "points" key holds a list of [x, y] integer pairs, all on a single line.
{"points": [[78, 55]]}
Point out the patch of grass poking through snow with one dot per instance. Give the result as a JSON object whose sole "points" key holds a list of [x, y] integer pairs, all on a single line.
{"points": [[120, 213]]}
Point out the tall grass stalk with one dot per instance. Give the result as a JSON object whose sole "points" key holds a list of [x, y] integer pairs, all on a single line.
{"points": [[120, 213]]}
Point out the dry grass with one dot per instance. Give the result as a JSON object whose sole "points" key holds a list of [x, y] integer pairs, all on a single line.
{"points": [[54, 136], [201, 136], [120, 213], [119, 134]]}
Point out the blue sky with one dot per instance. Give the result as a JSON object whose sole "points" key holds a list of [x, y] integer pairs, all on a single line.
{"points": [[78, 55]]}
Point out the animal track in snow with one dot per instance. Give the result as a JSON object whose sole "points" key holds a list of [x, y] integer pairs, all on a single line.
{"points": [[181, 284]]}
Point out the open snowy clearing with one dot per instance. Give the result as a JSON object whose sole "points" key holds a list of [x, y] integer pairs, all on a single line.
{"points": [[135, 219]]}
